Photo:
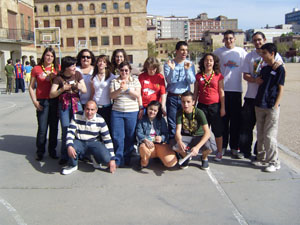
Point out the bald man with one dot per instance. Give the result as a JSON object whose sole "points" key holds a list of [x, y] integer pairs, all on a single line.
{"points": [[83, 138]]}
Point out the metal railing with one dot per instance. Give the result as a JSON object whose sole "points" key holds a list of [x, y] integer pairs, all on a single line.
{"points": [[16, 35]]}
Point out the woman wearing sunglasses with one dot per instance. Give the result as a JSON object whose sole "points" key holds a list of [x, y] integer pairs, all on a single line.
{"points": [[84, 65], [126, 94]]}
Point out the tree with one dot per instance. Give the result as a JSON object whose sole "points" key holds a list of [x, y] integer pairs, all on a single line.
{"points": [[282, 48], [152, 49]]}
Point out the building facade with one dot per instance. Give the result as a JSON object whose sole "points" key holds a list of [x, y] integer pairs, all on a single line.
{"points": [[16, 32], [99, 25], [293, 17], [198, 26]]}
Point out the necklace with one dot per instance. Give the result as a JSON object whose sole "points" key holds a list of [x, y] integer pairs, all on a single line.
{"points": [[190, 125], [52, 69], [207, 82]]}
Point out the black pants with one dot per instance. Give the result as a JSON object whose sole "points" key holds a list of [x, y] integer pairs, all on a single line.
{"points": [[231, 121], [248, 121], [20, 84]]}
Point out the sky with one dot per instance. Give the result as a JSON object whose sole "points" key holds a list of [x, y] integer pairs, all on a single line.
{"points": [[250, 13]]}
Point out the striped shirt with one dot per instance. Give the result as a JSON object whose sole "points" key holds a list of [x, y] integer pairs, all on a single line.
{"points": [[125, 102], [89, 130]]}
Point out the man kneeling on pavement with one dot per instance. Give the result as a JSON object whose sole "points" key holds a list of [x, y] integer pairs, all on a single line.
{"points": [[83, 139]]}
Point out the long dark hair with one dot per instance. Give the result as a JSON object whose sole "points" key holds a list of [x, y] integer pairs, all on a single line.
{"points": [[216, 66], [155, 103], [108, 69], [113, 58], [49, 49], [79, 55]]}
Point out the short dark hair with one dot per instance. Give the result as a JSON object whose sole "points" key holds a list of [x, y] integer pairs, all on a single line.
{"points": [[27, 63], [9, 61], [125, 63], [270, 47], [66, 62], [259, 33], [18, 60], [155, 103], [216, 66], [188, 93], [228, 32], [180, 43], [79, 55]]}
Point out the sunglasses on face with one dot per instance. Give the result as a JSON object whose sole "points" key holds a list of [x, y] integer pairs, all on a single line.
{"points": [[85, 57], [124, 70]]}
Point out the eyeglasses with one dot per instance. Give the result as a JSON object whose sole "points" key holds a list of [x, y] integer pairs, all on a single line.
{"points": [[124, 70], [86, 57]]}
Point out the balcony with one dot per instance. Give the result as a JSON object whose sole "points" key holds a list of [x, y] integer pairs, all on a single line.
{"points": [[22, 37]]}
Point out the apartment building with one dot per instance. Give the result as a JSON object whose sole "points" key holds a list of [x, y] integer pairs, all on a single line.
{"points": [[99, 25]]}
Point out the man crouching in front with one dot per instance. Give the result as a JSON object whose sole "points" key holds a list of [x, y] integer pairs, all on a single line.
{"points": [[83, 138]]}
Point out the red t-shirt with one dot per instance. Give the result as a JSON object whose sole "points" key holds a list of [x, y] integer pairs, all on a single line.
{"points": [[152, 87], [209, 94], [43, 82]]}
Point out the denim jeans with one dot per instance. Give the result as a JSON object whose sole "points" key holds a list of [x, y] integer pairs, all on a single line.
{"points": [[95, 148], [47, 117], [20, 84], [123, 135], [248, 121], [231, 121], [65, 119], [173, 104]]}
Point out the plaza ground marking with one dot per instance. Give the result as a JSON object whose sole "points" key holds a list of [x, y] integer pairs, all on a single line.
{"points": [[13, 212]]}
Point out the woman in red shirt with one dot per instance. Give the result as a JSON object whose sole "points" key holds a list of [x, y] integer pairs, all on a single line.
{"points": [[46, 108], [209, 91]]}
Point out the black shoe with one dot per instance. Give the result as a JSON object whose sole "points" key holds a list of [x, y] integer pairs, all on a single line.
{"points": [[62, 162], [53, 155], [204, 165], [39, 157]]}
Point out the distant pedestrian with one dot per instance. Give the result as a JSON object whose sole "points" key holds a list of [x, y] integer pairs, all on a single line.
{"points": [[179, 74], [19, 70], [267, 108], [10, 76], [28, 69], [231, 61]]}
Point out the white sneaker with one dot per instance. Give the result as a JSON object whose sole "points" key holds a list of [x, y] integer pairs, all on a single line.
{"points": [[69, 170], [272, 168], [259, 163]]}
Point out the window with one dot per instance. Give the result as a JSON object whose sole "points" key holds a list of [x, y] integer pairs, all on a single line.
{"points": [[80, 23], [69, 23], [29, 23], [70, 42], [45, 8], [116, 40], [35, 10], [116, 22], [104, 22], [69, 8], [104, 40], [127, 5], [58, 23], [92, 6], [130, 58], [36, 24], [57, 8], [94, 41], [80, 7], [92, 22], [81, 38], [128, 21], [46, 23], [128, 40], [61, 42], [103, 7], [116, 5]]}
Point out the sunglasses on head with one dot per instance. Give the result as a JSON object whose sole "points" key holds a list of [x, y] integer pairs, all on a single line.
{"points": [[85, 57]]}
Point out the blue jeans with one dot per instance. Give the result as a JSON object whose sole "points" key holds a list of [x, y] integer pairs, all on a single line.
{"points": [[123, 135], [20, 84], [95, 148], [47, 117], [173, 104], [65, 119], [248, 121]]}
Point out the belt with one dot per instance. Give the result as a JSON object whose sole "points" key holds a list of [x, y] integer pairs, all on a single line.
{"points": [[103, 106], [173, 94]]}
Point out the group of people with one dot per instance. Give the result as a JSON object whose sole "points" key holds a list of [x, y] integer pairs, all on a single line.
{"points": [[104, 110]]}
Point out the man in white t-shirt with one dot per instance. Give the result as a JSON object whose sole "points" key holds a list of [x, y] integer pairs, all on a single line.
{"points": [[231, 61], [253, 64]]}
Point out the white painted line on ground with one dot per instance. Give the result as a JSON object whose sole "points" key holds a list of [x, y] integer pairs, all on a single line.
{"points": [[13, 212], [12, 105], [235, 211]]}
